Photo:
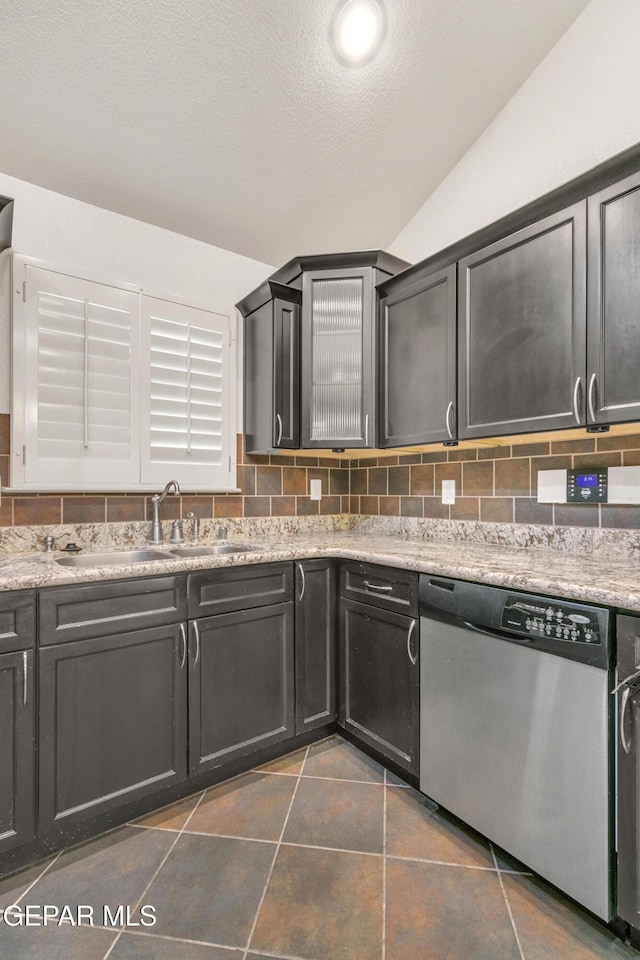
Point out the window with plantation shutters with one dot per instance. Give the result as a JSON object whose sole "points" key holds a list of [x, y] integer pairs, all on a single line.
{"points": [[112, 390], [81, 342], [186, 406]]}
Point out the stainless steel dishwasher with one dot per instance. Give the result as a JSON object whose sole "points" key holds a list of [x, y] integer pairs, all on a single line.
{"points": [[514, 727]]}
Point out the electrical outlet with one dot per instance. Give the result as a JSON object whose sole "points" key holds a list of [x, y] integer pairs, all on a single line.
{"points": [[448, 491], [315, 488]]}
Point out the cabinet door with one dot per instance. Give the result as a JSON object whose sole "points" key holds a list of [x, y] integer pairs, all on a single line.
{"points": [[286, 374], [113, 717], [17, 759], [337, 357], [379, 680], [241, 684], [315, 644], [613, 345], [76, 384], [628, 751], [522, 330], [417, 350]]}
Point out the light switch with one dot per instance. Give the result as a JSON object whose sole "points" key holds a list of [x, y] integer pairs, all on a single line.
{"points": [[315, 487], [448, 491]]}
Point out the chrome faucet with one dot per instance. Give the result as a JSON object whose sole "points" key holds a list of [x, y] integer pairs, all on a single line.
{"points": [[156, 529], [195, 532]]}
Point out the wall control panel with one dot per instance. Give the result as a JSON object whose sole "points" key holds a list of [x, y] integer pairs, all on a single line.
{"points": [[587, 486], [597, 485]]}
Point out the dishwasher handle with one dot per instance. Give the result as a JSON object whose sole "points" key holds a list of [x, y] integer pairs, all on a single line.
{"points": [[497, 634]]}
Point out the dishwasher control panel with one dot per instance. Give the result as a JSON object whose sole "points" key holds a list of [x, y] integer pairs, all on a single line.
{"points": [[555, 620]]}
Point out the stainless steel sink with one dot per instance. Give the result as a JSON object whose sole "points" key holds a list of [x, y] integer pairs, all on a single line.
{"points": [[212, 550], [109, 559]]}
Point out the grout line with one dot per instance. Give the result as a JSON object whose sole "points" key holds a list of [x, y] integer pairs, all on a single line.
{"points": [[506, 900], [442, 863], [275, 855], [39, 877], [162, 863]]}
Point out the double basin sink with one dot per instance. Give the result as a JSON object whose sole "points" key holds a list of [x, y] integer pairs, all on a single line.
{"points": [[144, 555]]}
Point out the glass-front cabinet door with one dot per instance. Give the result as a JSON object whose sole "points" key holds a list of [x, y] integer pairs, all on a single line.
{"points": [[337, 358]]}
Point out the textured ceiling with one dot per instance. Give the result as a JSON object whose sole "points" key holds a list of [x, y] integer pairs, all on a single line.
{"points": [[230, 121]]}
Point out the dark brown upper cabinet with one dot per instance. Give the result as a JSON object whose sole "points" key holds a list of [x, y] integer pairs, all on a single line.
{"points": [[613, 325], [271, 368], [335, 395], [417, 362], [522, 330]]}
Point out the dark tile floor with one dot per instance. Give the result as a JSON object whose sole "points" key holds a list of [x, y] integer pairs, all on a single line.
{"points": [[318, 856]]}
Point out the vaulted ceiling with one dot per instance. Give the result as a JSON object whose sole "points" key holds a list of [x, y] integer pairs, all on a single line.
{"points": [[230, 120]]}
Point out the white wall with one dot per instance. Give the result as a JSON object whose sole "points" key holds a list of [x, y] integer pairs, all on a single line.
{"points": [[579, 107], [78, 236]]}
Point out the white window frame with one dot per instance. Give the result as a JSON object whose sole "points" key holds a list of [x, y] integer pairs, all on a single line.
{"points": [[224, 482]]}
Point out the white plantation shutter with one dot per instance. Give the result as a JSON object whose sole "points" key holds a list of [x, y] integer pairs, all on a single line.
{"points": [[81, 401], [186, 410]]}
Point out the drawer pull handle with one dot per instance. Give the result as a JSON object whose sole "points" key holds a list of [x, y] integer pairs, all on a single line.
{"points": [[303, 582], [197, 634], [379, 587], [183, 636], [413, 659]]}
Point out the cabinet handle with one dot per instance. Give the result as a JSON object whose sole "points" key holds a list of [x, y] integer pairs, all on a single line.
{"points": [[301, 569], [381, 588], [576, 388], [25, 675], [183, 635], [626, 696], [591, 395], [197, 633], [413, 659], [449, 409], [279, 426], [366, 429]]}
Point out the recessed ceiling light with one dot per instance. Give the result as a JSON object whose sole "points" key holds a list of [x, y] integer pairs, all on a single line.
{"points": [[358, 30]]}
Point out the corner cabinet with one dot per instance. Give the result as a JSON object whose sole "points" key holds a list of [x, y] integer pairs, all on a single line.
{"points": [[522, 330], [334, 387], [315, 622], [417, 360]]}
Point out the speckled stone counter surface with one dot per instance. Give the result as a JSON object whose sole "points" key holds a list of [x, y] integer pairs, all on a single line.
{"points": [[576, 563]]}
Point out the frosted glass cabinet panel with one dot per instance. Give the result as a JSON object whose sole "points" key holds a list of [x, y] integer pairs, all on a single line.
{"points": [[337, 350]]}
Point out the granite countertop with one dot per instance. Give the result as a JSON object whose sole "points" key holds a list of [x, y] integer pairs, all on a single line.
{"points": [[612, 582]]}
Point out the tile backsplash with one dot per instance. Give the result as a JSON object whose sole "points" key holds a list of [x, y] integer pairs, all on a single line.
{"points": [[494, 484]]}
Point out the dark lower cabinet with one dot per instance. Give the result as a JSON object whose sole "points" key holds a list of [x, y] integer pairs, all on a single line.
{"points": [[17, 757], [113, 722], [241, 684], [628, 751], [379, 678], [315, 620]]}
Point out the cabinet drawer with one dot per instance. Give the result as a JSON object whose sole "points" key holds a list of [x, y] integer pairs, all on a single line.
{"points": [[239, 588], [17, 620], [380, 586], [96, 610]]}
